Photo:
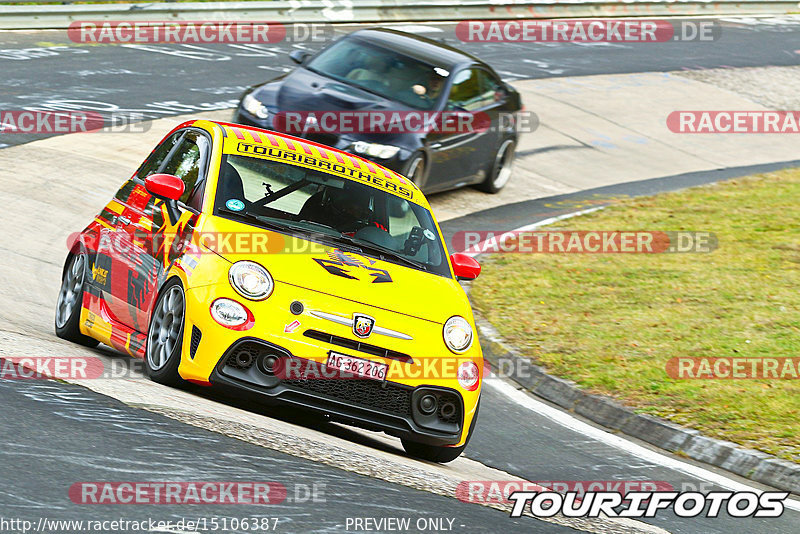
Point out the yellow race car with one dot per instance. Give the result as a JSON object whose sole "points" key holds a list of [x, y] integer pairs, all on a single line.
{"points": [[289, 270]]}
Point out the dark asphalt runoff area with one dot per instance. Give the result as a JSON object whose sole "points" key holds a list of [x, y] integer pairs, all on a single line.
{"points": [[54, 434]]}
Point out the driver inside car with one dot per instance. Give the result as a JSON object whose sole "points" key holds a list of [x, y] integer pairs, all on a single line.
{"points": [[348, 209]]}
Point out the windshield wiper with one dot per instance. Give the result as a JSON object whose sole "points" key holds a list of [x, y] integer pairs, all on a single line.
{"points": [[321, 225], [270, 222], [300, 227], [383, 251], [330, 238], [248, 216]]}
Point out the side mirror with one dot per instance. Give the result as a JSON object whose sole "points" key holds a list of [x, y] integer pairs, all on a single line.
{"points": [[465, 267], [164, 186], [168, 188], [299, 56]]}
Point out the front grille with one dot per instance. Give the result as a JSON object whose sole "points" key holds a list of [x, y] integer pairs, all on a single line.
{"points": [[384, 396], [358, 345], [195, 342]]}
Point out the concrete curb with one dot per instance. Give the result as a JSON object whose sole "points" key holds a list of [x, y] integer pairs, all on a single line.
{"points": [[751, 464], [379, 11]]}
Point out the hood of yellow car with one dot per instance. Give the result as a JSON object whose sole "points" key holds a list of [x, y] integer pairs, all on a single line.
{"points": [[337, 271]]}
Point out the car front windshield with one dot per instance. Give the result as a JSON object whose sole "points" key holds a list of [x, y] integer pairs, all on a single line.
{"points": [[381, 71], [319, 206]]}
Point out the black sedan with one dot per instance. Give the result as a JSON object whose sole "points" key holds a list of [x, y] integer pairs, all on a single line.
{"points": [[397, 99]]}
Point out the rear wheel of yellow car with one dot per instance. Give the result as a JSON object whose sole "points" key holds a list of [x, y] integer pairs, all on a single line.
{"points": [[441, 455], [165, 336], [70, 299]]}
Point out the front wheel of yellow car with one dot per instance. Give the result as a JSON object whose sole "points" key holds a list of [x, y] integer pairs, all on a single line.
{"points": [[165, 336], [441, 455]]}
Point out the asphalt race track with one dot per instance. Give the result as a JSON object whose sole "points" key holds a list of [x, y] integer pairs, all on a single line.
{"points": [[47, 70], [54, 434]]}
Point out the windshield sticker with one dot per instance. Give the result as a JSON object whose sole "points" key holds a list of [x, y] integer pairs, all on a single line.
{"points": [[234, 204], [330, 167], [429, 234]]}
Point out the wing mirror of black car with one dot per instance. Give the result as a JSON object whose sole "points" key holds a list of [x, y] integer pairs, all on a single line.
{"points": [[299, 56], [501, 95]]}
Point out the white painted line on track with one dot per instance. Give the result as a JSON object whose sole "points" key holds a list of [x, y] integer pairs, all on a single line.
{"points": [[414, 28], [566, 420]]}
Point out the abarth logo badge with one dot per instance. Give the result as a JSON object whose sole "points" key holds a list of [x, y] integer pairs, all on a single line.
{"points": [[362, 325]]}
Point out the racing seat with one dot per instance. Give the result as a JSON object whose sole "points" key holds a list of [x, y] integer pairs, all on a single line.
{"points": [[312, 209]]}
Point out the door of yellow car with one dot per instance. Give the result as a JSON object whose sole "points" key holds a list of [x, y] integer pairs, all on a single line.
{"points": [[154, 235]]}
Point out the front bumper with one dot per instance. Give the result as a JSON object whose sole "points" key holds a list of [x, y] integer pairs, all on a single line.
{"points": [[390, 406], [375, 405]]}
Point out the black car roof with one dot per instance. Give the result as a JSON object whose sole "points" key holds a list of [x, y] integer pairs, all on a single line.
{"points": [[417, 47]]}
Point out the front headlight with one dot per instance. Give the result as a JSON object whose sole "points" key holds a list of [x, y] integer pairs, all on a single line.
{"points": [[375, 150], [457, 334], [251, 280], [255, 107]]}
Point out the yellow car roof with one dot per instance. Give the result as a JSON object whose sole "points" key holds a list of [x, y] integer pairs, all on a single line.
{"points": [[254, 142]]}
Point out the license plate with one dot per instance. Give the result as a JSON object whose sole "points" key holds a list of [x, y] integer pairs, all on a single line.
{"points": [[357, 366]]}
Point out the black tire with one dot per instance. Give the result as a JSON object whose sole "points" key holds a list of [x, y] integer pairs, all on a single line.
{"points": [[416, 170], [434, 453], [165, 335], [501, 169], [70, 297]]}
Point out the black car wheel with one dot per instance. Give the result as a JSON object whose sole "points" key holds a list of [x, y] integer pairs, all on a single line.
{"points": [[502, 167], [441, 455], [416, 170], [70, 296], [165, 336]]}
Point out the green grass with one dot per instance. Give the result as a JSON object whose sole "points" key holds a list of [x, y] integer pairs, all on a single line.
{"points": [[611, 322]]}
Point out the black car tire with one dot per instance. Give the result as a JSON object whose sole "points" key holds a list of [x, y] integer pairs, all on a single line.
{"points": [[434, 453], [70, 296], [416, 170], [501, 169], [165, 335]]}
